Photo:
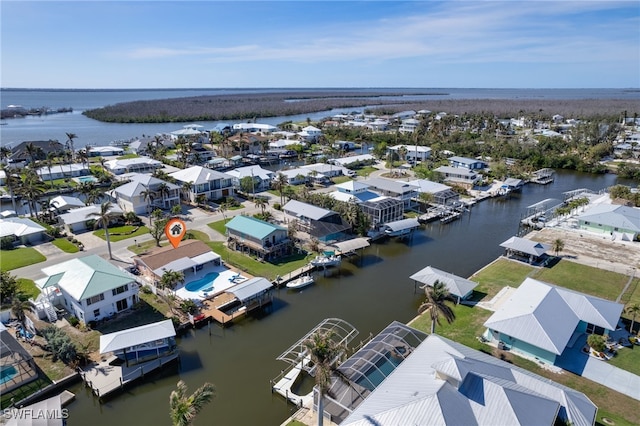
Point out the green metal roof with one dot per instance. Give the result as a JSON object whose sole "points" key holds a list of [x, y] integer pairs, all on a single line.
{"points": [[253, 227]]}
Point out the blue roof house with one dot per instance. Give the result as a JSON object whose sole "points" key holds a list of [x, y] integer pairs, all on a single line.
{"points": [[259, 238]]}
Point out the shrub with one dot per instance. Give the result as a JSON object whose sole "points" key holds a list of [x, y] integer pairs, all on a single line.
{"points": [[73, 321], [60, 345], [596, 342], [277, 206], [189, 307], [6, 243], [146, 289]]}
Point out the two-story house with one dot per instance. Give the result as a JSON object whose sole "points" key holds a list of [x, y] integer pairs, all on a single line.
{"points": [[212, 184], [257, 237], [90, 288], [145, 193]]}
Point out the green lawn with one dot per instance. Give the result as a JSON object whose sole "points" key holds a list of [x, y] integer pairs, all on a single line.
{"points": [[124, 231], [257, 268], [65, 245], [340, 179], [127, 156], [365, 171], [585, 279], [17, 258], [219, 226], [146, 246], [632, 295], [628, 359], [501, 273], [28, 288]]}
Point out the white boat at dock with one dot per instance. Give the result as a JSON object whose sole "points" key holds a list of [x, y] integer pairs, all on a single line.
{"points": [[301, 282], [325, 261]]}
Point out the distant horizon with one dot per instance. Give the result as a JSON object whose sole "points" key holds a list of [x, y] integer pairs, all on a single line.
{"points": [[492, 44], [309, 87]]}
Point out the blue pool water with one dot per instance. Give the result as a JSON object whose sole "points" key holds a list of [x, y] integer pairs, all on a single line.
{"points": [[7, 373], [86, 179], [375, 375], [204, 283]]}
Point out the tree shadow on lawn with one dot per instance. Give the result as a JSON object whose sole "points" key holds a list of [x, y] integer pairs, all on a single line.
{"points": [[141, 315]]}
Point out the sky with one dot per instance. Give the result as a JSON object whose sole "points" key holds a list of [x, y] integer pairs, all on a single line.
{"points": [[332, 43]]}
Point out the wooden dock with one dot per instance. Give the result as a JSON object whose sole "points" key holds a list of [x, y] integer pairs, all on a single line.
{"points": [[105, 378]]}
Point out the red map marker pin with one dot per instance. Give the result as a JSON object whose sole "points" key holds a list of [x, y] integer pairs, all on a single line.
{"points": [[175, 230]]}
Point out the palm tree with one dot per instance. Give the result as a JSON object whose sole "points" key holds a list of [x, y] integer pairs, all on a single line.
{"points": [[261, 202], [103, 217], [632, 310], [324, 351], [18, 309], [223, 208], [5, 153], [49, 160], [70, 138], [12, 182], [32, 189], [32, 150], [279, 184], [148, 196], [184, 408], [163, 191], [435, 304], [558, 246], [186, 189], [170, 279]]}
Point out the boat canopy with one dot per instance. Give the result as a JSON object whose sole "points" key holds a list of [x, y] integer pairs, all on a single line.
{"points": [[352, 245], [136, 336], [403, 224], [250, 289]]}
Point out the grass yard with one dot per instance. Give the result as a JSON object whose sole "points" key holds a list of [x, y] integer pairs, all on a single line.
{"points": [[366, 171], [28, 288], [501, 273], [65, 245], [127, 156], [219, 226], [632, 295], [257, 268], [628, 359], [19, 257], [126, 232], [146, 246], [340, 179], [585, 279]]}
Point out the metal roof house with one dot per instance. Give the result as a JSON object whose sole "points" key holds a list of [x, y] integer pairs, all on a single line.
{"points": [[540, 319], [131, 165], [75, 220], [457, 286], [133, 196], [525, 249], [392, 188], [261, 177], [466, 163], [445, 383], [258, 237], [21, 230], [619, 221], [326, 225], [212, 184], [412, 152], [458, 175], [90, 287]]}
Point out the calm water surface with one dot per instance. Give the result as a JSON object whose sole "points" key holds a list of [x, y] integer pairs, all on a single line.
{"points": [[369, 292]]}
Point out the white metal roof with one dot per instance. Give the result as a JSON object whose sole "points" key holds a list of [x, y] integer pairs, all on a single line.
{"points": [[136, 336], [64, 201], [351, 245], [251, 171], [19, 227], [626, 218], [524, 245], [82, 214], [205, 257], [198, 175], [399, 187], [176, 265], [546, 316], [250, 288], [429, 186], [402, 224], [456, 285], [444, 382], [310, 211]]}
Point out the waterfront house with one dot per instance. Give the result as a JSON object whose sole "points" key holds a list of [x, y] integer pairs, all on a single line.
{"points": [[540, 319], [212, 184], [413, 153], [297, 176], [409, 125], [141, 194], [16, 363], [352, 159], [382, 209], [310, 133], [329, 170], [459, 176], [619, 222], [459, 287], [253, 127], [257, 237], [261, 178], [90, 288], [442, 382], [325, 225], [353, 191], [440, 193], [105, 151], [190, 256], [131, 165], [403, 191], [21, 230], [19, 153], [467, 163], [78, 220], [524, 249], [62, 171]]}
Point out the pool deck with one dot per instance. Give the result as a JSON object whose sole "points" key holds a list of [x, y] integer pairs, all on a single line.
{"points": [[221, 283]]}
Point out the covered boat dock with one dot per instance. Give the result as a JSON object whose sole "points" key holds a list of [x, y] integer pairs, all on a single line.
{"points": [[349, 247], [457, 286]]}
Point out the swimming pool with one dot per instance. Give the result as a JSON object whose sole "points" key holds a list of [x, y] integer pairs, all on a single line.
{"points": [[203, 284], [86, 179], [7, 373]]}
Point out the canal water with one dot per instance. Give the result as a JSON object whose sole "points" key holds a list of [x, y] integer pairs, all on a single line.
{"points": [[368, 291]]}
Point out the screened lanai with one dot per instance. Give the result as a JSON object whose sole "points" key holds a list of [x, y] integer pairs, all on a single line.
{"points": [[16, 364]]}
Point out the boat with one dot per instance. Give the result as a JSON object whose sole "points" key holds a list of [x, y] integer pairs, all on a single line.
{"points": [[301, 281], [324, 261]]}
